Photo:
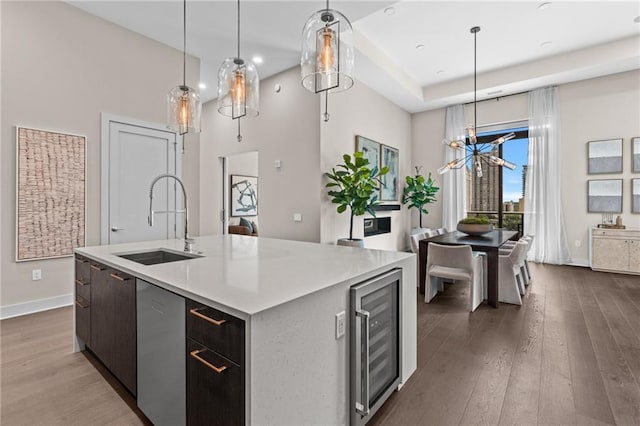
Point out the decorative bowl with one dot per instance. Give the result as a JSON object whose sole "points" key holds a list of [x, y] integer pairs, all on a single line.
{"points": [[474, 229]]}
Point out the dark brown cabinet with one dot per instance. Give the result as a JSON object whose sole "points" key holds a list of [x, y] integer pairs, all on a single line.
{"points": [[113, 322], [215, 367], [83, 299]]}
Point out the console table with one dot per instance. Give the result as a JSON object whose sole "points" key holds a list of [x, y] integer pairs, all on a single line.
{"points": [[614, 250]]}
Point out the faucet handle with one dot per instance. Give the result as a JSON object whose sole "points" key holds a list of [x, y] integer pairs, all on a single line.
{"points": [[188, 244]]}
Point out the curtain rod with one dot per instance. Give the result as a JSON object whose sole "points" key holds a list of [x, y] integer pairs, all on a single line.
{"points": [[498, 97]]}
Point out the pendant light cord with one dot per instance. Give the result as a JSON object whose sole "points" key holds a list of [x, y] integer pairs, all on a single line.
{"points": [[475, 77], [238, 29], [184, 43], [327, 4]]}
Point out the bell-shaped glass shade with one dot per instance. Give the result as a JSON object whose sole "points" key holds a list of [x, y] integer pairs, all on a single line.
{"points": [[327, 52], [183, 110], [238, 89]]}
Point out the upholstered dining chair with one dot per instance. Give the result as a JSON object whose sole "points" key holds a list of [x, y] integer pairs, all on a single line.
{"points": [[415, 240], [457, 263], [441, 231], [524, 265], [510, 281]]}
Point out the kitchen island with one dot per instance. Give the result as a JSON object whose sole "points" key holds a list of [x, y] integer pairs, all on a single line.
{"points": [[285, 295]]}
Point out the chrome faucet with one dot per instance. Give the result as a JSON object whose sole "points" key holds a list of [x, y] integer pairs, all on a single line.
{"points": [[188, 242]]}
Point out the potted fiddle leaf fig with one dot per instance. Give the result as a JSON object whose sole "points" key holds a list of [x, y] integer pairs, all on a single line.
{"points": [[354, 186], [418, 192]]}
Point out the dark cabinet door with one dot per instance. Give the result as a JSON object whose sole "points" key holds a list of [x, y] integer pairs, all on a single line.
{"points": [[102, 306], [123, 326], [83, 299], [215, 388]]}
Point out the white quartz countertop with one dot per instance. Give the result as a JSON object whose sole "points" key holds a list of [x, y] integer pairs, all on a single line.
{"points": [[248, 274]]}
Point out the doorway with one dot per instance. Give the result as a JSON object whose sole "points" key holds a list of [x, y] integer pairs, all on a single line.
{"points": [[134, 152], [239, 189]]}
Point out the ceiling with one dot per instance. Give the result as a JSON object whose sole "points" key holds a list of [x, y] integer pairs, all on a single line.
{"points": [[587, 39]]}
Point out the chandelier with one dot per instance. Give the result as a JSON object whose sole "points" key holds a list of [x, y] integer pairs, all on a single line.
{"points": [[474, 153], [183, 103], [327, 58], [238, 87]]}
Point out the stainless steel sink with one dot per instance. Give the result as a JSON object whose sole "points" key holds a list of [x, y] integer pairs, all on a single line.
{"points": [[156, 256]]}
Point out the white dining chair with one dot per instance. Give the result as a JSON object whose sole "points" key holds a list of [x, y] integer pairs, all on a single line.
{"points": [[510, 280], [457, 263], [441, 231], [415, 241]]}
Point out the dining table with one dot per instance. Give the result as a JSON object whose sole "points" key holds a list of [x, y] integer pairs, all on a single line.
{"points": [[488, 243]]}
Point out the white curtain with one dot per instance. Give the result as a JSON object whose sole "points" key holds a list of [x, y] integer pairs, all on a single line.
{"points": [[453, 183], [543, 215]]}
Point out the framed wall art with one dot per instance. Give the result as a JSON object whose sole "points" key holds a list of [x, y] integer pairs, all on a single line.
{"points": [[635, 195], [370, 149], [244, 196], [635, 155], [390, 158], [605, 156], [50, 193], [604, 196]]}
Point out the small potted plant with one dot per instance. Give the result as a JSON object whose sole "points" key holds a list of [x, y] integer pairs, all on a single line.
{"points": [[354, 186], [475, 226], [418, 192]]}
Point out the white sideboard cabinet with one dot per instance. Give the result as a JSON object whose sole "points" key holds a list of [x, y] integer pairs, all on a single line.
{"points": [[615, 250]]}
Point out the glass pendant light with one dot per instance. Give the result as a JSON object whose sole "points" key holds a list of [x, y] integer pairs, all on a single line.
{"points": [[183, 102], [238, 87], [474, 152], [327, 56]]}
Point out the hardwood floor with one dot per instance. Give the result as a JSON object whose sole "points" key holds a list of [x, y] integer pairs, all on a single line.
{"points": [[569, 355]]}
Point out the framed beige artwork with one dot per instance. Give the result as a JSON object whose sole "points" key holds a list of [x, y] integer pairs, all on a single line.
{"points": [[50, 193]]}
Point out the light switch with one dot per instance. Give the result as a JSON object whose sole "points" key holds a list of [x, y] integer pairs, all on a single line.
{"points": [[278, 164], [36, 274], [297, 217]]}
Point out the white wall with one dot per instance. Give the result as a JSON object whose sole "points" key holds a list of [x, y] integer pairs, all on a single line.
{"points": [[600, 108], [61, 68], [287, 129], [361, 111]]}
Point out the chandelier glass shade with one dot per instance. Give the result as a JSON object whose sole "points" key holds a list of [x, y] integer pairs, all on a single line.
{"points": [[238, 85], [327, 59], [470, 150], [184, 108]]}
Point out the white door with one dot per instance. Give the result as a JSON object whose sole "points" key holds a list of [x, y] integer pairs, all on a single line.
{"points": [[136, 154]]}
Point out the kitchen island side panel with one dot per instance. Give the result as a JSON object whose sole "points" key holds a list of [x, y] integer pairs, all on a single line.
{"points": [[299, 371]]}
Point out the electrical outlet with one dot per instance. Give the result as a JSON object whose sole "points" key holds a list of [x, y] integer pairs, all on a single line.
{"points": [[36, 274], [297, 217], [340, 325], [578, 243]]}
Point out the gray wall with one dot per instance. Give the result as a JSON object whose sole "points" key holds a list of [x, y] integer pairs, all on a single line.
{"points": [[61, 68]]}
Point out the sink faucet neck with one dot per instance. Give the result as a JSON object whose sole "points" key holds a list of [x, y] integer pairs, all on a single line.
{"points": [[188, 241]]}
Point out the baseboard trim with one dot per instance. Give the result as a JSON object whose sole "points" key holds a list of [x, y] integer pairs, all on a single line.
{"points": [[33, 306], [579, 262]]}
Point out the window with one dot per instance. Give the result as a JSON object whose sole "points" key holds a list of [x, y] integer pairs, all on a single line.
{"points": [[499, 193]]}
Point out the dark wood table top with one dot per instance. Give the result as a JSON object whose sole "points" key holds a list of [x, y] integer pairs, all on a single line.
{"points": [[493, 239]]}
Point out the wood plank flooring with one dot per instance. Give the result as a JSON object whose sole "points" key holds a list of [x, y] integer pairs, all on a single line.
{"points": [[569, 355]]}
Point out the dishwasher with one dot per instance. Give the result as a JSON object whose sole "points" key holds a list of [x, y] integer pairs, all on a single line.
{"points": [[161, 354]]}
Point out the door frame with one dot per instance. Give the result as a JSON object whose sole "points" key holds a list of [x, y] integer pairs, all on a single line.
{"points": [[105, 122]]}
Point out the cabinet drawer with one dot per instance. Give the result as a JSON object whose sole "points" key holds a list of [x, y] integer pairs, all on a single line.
{"points": [[221, 332], [83, 271], [83, 319], [215, 388], [83, 289]]}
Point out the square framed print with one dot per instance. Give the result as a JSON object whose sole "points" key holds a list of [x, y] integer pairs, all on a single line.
{"points": [[390, 158], [635, 155], [604, 196], [244, 196], [370, 149], [635, 195], [605, 156], [50, 193]]}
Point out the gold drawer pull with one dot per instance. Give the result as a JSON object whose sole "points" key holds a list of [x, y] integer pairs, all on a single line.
{"points": [[118, 277], [80, 282], [195, 312], [97, 268], [207, 363], [82, 305], [81, 260]]}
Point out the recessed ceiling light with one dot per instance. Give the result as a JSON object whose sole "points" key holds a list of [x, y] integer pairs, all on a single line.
{"points": [[544, 6], [637, 20], [390, 11], [545, 44], [257, 59], [440, 72], [202, 86], [419, 46]]}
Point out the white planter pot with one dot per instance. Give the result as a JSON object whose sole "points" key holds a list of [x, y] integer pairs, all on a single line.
{"points": [[351, 243]]}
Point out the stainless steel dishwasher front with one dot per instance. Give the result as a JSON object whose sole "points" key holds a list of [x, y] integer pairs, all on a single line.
{"points": [[161, 355]]}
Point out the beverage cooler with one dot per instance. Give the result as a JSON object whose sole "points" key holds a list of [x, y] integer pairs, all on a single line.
{"points": [[376, 354]]}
